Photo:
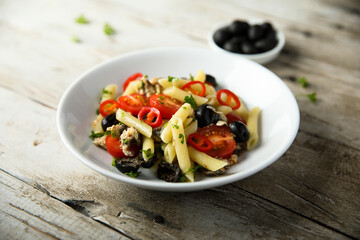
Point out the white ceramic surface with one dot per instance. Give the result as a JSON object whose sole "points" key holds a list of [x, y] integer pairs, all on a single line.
{"points": [[256, 85], [261, 58]]}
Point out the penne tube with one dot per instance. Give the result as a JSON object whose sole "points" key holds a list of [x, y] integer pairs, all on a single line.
{"points": [[180, 95], [108, 92], [169, 153], [97, 124], [224, 109], [183, 112], [200, 76], [148, 148], [191, 128], [175, 82], [131, 121], [205, 160], [181, 149], [133, 87], [187, 121], [252, 125]]}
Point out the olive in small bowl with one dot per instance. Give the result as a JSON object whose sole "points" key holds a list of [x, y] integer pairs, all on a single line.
{"points": [[258, 41]]}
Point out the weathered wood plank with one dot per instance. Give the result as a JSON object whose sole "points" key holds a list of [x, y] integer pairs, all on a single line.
{"points": [[27, 213]]}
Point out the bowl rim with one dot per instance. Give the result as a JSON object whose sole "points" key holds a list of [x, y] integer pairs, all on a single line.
{"points": [[272, 52], [165, 186]]}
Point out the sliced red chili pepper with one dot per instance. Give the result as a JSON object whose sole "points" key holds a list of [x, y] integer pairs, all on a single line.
{"points": [[200, 142], [107, 107], [131, 78], [229, 95], [150, 116], [189, 85]]}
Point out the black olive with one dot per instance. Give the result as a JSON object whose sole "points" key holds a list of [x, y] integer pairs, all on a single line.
{"points": [[210, 79], [168, 172], [267, 27], [108, 121], [234, 44], [255, 32], [149, 163], [268, 43], [240, 131], [126, 165], [248, 48], [221, 36], [205, 115], [238, 27]]}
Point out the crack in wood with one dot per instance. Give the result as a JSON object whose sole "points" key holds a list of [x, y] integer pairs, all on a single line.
{"points": [[297, 213]]}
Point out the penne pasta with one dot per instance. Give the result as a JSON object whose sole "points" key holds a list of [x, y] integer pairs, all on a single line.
{"points": [[252, 125], [180, 95], [191, 128], [174, 82], [97, 124], [200, 76], [131, 121], [224, 109], [148, 148], [169, 153], [108, 92], [205, 160], [133, 87]]}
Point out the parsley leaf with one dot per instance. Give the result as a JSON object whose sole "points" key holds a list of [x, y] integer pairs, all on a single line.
{"points": [[170, 78], [175, 126], [195, 168], [133, 174], [183, 178], [81, 19], [191, 77], [148, 153], [312, 97], [189, 99], [303, 82], [113, 162], [104, 91], [125, 141], [75, 39], [182, 138], [95, 135], [97, 111], [142, 85], [108, 30]]}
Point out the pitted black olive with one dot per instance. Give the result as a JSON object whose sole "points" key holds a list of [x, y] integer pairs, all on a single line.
{"points": [[221, 36], [248, 48], [234, 44], [206, 115], [108, 121], [238, 27], [210, 79], [255, 32], [168, 172], [126, 165], [240, 131]]}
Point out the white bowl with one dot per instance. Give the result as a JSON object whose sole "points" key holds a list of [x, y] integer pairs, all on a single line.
{"points": [[256, 85], [261, 58]]}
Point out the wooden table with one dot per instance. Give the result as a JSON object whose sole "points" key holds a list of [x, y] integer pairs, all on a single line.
{"points": [[311, 192]]}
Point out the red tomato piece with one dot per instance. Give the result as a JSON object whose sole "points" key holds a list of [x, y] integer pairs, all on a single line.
{"points": [[107, 107], [231, 117], [133, 103], [131, 78], [150, 116], [221, 138], [166, 105], [114, 147], [190, 84], [229, 95], [200, 142]]}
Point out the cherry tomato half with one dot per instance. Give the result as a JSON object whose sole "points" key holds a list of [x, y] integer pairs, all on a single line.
{"points": [[114, 147], [231, 117], [229, 95], [190, 86], [150, 116], [107, 107], [221, 138], [200, 142], [133, 103], [131, 78], [166, 105]]}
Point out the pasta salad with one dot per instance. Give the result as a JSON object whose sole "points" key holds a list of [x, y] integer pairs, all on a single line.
{"points": [[179, 126]]}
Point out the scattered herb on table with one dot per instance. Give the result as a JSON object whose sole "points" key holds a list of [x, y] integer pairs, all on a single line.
{"points": [[75, 39], [81, 20], [303, 82], [312, 97], [109, 30]]}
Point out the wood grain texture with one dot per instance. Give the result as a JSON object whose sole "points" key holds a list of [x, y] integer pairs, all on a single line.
{"points": [[309, 193]]}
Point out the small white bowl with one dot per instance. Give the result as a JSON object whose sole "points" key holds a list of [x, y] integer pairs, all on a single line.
{"points": [[261, 58], [257, 86]]}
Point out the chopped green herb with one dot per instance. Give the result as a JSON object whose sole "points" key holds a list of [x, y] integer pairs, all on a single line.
{"points": [[82, 20], [189, 99], [104, 91], [113, 162], [95, 135], [182, 137], [175, 126], [142, 85], [303, 82], [184, 108], [195, 168], [125, 141], [191, 77], [113, 134], [75, 39], [161, 98], [148, 153], [133, 174], [146, 76], [312, 97], [107, 133], [165, 125], [170, 78], [108, 30], [183, 178], [122, 114], [97, 111]]}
